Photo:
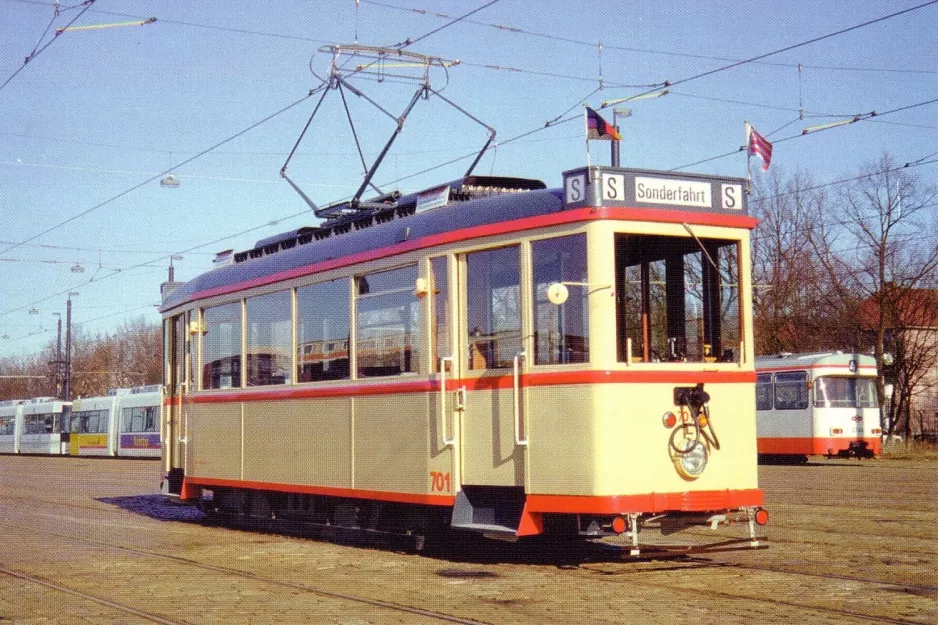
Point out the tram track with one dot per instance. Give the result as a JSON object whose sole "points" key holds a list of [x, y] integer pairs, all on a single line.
{"points": [[224, 570], [114, 605], [803, 608], [696, 561]]}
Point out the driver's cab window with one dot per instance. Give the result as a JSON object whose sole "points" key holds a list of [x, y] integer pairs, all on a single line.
{"points": [[677, 299]]}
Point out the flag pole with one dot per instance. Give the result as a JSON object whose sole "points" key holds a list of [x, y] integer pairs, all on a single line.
{"points": [[586, 133], [748, 156]]}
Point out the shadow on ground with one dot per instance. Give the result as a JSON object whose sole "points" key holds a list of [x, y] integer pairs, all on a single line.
{"points": [[157, 507]]}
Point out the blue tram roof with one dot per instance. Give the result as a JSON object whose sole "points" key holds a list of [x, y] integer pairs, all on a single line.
{"points": [[306, 246], [465, 203]]}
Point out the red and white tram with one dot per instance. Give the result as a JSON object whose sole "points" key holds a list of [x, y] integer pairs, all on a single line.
{"points": [[817, 404], [490, 355]]}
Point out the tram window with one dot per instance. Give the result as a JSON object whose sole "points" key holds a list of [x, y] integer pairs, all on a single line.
{"points": [[46, 423], [6, 426], [140, 419], [174, 346], [866, 393], [188, 347], [387, 323], [89, 421], [764, 391], [677, 299], [561, 332], [842, 392], [791, 390], [439, 312], [269, 321], [494, 307], [322, 331], [221, 347]]}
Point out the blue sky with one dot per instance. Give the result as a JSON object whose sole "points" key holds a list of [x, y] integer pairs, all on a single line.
{"points": [[98, 113]]}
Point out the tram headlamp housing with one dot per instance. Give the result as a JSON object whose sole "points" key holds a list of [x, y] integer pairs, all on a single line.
{"points": [[693, 461]]}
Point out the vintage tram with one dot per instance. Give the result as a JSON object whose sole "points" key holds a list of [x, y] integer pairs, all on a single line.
{"points": [[489, 355]]}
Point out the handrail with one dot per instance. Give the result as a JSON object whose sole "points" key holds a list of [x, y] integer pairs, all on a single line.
{"points": [[447, 441], [517, 399]]}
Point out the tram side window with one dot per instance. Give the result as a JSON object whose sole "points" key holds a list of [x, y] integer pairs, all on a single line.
{"points": [[677, 299], [561, 332], [44, 423], [764, 391], [439, 312], [221, 347], [387, 323], [269, 338], [140, 419], [494, 307], [322, 331], [6, 426], [791, 390], [89, 421]]}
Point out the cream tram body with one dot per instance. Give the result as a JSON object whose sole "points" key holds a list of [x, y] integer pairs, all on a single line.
{"points": [[818, 404], [514, 364]]}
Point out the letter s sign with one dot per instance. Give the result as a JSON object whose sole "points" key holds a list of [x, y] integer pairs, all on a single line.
{"points": [[732, 196], [613, 187], [575, 189]]}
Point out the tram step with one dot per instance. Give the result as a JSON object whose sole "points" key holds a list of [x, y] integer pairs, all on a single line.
{"points": [[488, 509]]}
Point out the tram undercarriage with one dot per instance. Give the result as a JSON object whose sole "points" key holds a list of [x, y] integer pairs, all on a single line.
{"points": [[409, 527]]}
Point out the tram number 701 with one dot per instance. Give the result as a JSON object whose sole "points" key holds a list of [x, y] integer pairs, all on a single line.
{"points": [[439, 482]]}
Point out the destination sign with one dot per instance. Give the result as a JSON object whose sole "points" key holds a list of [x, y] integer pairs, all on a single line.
{"points": [[608, 186], [665, 191]]}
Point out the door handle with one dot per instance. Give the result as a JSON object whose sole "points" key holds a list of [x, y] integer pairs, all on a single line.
{"points": [[520, 435], [448, 441]]}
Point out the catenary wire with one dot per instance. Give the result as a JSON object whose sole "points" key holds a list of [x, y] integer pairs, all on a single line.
{"points": [[39, 50], [152, 178]]}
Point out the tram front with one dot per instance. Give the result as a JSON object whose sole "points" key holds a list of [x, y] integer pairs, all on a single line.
{"points": [[662, 431]]}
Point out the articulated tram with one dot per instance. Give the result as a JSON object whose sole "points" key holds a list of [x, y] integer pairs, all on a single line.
{"points": [[488, 355], [125, 422]]}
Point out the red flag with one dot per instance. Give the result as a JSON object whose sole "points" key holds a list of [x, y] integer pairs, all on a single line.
{"points": [[760, 147], [599, 128]]}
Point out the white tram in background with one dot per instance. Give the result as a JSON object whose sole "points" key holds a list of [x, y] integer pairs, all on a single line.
{"points": [[126, 422], [10, 425], [489, 355], [33, 426], [817, 404]]}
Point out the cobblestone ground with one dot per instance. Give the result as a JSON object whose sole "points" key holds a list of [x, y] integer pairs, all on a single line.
{"points": [[88, 541]]}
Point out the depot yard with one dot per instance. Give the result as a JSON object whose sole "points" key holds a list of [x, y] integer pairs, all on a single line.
{"points": [[88, 541]]}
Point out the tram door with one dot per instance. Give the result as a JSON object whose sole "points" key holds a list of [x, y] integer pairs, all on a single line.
{"points": [[489, 362], [443, 311], [175, 345]]}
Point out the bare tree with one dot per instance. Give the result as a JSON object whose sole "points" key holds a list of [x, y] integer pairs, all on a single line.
{"points": [[131, 356], [878, 244], [797, 308]]}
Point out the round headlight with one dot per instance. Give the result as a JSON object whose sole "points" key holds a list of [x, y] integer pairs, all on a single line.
{"points": [[693, 461]]}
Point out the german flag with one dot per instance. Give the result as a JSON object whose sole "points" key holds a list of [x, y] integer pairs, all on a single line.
{"points": [[599, 128]]}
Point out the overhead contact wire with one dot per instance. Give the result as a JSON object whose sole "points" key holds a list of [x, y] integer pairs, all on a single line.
{"points": [[152, 178]]}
